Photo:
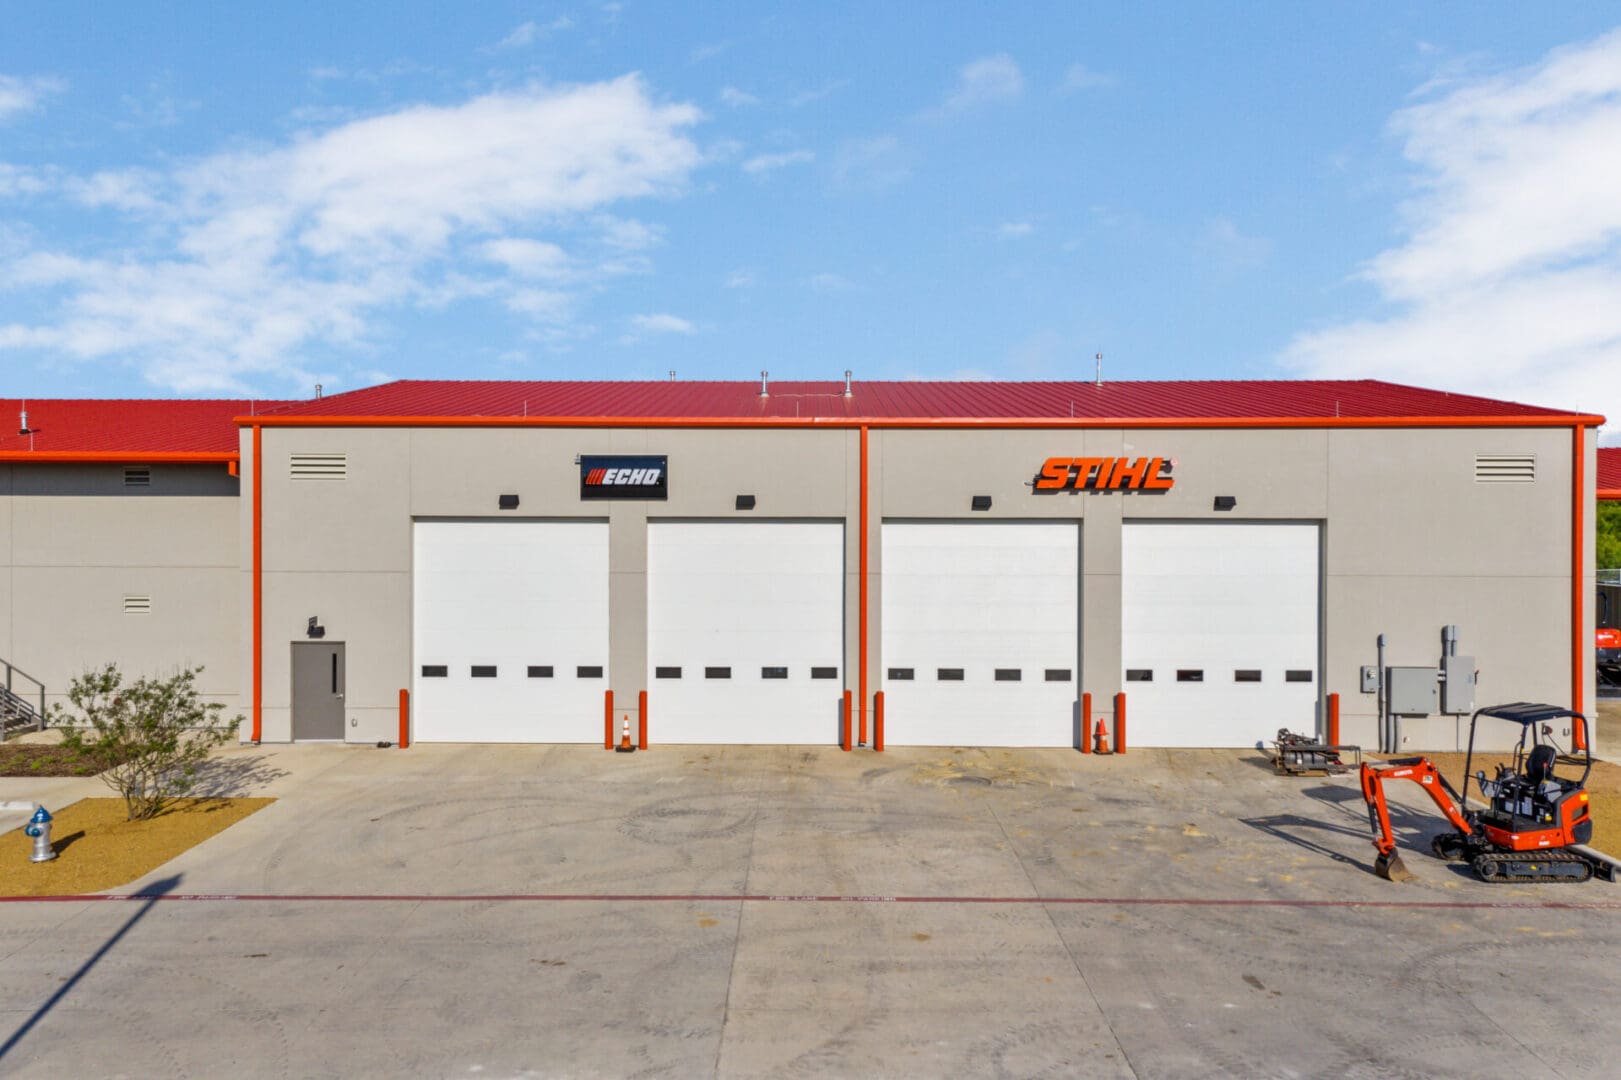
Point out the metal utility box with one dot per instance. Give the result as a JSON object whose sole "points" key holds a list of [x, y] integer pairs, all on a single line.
{"points": [[1413, 691], [1370, 679], [1457, 684]]}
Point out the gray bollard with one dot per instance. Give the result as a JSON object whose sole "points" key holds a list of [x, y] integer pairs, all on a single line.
{"points": [[39, 827]]}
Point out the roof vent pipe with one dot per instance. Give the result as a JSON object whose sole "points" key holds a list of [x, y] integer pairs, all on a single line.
{"points": [[672, 374], [317, 391], [765, 389], [847, 390], [22, 424], [1099, 377]]}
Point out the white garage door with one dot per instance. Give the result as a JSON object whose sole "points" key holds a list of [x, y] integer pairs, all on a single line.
{"points": [[1219, 640], [980, 633], [511, 630], [745, 631]]}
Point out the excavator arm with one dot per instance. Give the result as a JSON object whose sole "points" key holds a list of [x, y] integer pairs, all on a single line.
{"points": [[1423, 772]]}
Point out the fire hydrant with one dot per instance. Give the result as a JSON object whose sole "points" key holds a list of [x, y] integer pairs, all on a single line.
{"points": [[39, 827]]}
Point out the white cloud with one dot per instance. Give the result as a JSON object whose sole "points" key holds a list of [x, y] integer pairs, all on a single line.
{"points": [[1013, 230], [810, 97], [23, 93], [988, 80], [16, 180], [830, 283], [662, 323], [527, 33], [254, 259], [766, 163], [1506, 282], [739, 279], [731, 95], [1229, 245], [707, 52], [1078, 77], [871, 164]]}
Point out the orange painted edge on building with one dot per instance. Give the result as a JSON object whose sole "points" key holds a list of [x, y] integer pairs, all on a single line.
{"points": [[258, 584], [1581, 642], [861, 588]]}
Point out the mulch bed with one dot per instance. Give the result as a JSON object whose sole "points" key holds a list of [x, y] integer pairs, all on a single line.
{"points": [[37, 759]]}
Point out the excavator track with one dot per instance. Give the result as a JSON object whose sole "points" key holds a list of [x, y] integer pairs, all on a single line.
{"points": [[1511, 867]]}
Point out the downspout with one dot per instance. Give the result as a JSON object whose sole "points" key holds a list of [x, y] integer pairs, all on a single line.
{"points": [[861, 603], [258, 584]]}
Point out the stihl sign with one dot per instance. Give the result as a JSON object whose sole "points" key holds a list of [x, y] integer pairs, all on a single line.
{"points": [[1106, 474], [624, 477]]}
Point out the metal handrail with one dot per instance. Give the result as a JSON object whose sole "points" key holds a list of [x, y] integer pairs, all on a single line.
{"points": [[11, 671]]}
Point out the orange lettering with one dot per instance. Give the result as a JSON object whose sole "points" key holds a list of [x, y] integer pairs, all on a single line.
{"points": [[1105, 471], [1054, 473], [1156, 479], [1129, 476], [1084, 467]]}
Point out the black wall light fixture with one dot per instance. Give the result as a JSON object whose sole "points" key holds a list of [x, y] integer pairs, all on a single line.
{"points": [[745, 502], [1226, 502], [981, 502], [315, 629], [508, 502]]}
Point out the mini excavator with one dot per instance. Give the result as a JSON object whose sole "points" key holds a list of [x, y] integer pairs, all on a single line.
{"points": [[1532, 819]]}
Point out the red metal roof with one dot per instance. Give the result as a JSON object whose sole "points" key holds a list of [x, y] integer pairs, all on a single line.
{"points": [[85, 426], [1204, 399], [1609, 472]]}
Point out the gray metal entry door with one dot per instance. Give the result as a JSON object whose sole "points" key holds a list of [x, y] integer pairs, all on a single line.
{"points": [[317, 690]]}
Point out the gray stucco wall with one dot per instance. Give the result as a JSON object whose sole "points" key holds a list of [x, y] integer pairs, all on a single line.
{"points": [[74, 541], [1411, 540]]}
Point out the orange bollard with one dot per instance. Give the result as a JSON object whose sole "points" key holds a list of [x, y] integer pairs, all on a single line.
{"points": [[1578, 732], [844, 738], [878, 721], [607, 719], [1086, 723], [641, 721], [1333, 719], [1120, 722], [405, 719]]}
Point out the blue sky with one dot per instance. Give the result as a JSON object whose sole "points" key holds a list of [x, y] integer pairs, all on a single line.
{"points": [[210, 199]]}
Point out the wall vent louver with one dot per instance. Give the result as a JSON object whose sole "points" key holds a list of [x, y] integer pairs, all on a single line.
{"points": [[1505, 468], [137, 477], [137, 605], [312, 466]]}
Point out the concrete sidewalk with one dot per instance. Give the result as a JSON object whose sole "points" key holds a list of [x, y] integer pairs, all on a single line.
{"points": [[1159, 914]]}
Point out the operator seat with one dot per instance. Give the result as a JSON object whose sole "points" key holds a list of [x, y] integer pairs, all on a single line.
{"points": [[1539, 771]]}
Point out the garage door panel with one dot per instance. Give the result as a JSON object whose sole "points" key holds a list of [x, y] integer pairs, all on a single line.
{"points": [[978, 597], [509, 595], [1219, 598], [745, 596]]}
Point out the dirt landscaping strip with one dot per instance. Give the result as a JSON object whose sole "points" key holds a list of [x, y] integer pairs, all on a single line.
{"points": [[40, 759], [98, 849]]}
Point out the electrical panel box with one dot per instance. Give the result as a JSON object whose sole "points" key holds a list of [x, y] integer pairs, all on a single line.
{"points": [[1370, 679], [1457, 684], [1413, 691]]}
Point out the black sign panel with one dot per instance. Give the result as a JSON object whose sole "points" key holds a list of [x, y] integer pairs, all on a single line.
{"points": [[624, 476]]}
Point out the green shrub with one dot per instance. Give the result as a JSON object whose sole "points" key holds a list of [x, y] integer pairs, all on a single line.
{"points": [[147, 739]]}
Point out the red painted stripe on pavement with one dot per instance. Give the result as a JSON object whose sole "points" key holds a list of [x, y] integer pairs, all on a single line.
{"points": [[723, 898]]}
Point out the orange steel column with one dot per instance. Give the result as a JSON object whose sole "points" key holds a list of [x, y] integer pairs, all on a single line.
{"points": [[1333, 720], [258, 586], [1086, 723], [641, 720], [405, 719], [1120, 722], [844, 735], [878, 721], [861, 586], [607, 719], [1581, 644]]}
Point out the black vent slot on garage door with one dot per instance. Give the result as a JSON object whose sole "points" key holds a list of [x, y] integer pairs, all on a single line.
{"points": [[435, 671], [588, 671], [1057, 674], [773, 673], [540, 671], [949, 674], [900, 674], [666, 673], [717, 673], [1247, 675], [824, 672], [1009, 674], [1139, 674], [1297, 675], [483, 671], [1190, 674]]}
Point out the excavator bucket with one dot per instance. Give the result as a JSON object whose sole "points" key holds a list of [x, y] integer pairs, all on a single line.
{"points": [[1391, 868]]}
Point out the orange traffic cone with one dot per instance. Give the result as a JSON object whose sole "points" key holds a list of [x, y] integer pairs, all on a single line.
{"points": [[625, 746], [1102, 737]]}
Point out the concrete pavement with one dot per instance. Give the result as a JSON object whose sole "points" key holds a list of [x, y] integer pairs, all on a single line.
{"points": [[1161, 914]]}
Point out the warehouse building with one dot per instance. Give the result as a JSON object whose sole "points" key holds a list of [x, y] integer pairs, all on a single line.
{"points": [[530, 561]]}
